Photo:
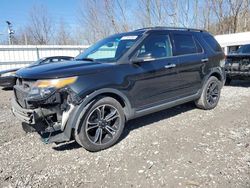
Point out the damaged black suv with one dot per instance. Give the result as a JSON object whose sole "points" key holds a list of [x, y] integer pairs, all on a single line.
{"points": [[119, 78]]}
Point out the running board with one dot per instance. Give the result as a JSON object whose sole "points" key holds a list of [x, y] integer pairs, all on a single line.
{"points": [[167, 105]]}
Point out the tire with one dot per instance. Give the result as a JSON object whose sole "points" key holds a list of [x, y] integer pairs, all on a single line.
{"points": [[97, 130], [210, 94], [228, 81]]}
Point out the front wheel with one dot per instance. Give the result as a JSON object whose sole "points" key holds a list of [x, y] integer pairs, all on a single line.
{"points": [[102, 125], [210, 94]]}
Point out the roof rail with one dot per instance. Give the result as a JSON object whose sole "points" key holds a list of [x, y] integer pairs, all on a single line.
{"points": [[171, 28]]}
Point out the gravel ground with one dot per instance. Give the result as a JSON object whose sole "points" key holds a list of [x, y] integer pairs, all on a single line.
{"points": [[178, 147]]}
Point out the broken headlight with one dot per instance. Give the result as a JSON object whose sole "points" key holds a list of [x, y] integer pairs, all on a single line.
{"points": [[45, 88]]}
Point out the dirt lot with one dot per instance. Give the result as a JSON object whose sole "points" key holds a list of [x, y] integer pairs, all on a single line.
{"points": [[178, 147]]}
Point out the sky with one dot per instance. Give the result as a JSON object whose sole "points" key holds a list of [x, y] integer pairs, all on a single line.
{"points": [[17, 12]]}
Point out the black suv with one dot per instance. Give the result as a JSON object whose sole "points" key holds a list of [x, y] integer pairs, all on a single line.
{"points": [[119, 78]]}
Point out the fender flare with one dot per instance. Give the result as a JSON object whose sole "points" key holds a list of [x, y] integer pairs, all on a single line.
{"points": [[217, 71], [80, 110]]}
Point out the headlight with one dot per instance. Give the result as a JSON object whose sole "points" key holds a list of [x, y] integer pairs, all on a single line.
{"points": [[44, 88], [8, 74], [56, 83]]}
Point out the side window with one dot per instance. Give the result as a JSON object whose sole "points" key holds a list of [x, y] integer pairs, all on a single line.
{"points": [[185, 44], [198, 46], [155, 46], [212, 42]]}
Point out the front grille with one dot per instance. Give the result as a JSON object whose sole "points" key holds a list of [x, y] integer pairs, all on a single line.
{"points": [[20, 96], [21, 90]]}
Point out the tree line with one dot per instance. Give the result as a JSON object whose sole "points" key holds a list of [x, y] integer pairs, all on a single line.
{"points": [[97, 19]]}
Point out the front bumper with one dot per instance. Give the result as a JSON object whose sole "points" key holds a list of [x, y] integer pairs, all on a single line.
{"points": [[7, 81], [29, 116], [35, 118]]}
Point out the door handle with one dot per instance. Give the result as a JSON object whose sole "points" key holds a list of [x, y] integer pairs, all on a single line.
{"points": [[204, 60], [170, 66]]}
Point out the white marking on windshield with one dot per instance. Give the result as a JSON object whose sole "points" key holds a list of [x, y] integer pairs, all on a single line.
{"points": [[129, 37]]}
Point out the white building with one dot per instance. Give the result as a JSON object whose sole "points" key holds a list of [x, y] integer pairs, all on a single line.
{"points": [[231, 42]]}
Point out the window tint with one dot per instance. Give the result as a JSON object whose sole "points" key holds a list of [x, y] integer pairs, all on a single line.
{"points": [[212, 42], [198, 46], [155, 46], [185, 44]]}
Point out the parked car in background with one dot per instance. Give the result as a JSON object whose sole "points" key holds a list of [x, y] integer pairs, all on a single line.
{"points": [[7, 77], [238, 64], [119, 78]]}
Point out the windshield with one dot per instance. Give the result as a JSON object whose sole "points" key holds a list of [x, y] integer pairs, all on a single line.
{"points": [[37, 62], [109, 49], [244, 49]]}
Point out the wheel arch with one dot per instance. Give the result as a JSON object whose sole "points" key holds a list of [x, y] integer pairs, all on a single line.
{"points": [[114, 93], [216, 72], [80, 110]]}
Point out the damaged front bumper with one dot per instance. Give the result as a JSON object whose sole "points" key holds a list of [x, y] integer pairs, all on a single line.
{"points": [[39, 120], [50, 117], [29, 116]]}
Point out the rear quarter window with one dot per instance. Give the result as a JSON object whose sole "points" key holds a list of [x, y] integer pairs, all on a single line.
{"points": [[210, 40]]}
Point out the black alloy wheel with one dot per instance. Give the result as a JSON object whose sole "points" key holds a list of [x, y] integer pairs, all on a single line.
{"points": [[102, 124], [213, 93]]}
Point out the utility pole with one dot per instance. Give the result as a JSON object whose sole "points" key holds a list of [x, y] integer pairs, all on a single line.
{"points": [[10, 32]]}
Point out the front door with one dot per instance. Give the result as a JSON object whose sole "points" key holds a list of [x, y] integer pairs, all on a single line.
{"points": [[156, 79]]}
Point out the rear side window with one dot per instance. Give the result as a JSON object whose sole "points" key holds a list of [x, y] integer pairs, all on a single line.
{"points": [[185, 44], [212, 42]]}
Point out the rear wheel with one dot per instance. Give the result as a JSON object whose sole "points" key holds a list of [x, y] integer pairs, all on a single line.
{"points": [[210, 94], [102, 125]]}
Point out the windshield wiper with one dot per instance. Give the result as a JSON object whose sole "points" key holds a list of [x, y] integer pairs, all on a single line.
{"points": [[85, 59]]}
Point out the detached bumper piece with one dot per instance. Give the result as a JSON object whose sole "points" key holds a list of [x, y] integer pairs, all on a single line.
{"points": [[50, 132], [25, 115]]}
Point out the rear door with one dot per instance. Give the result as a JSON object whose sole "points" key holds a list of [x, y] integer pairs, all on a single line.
{"points": [[191, 62]]}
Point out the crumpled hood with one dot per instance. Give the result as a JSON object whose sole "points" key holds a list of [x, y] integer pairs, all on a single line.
{"points": [[62, 69]]}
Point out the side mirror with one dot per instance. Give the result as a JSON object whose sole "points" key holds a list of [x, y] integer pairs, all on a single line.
{"points": [[144, 57]]}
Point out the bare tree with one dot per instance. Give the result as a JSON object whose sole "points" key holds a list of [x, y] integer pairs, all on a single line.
{"points": [[93, 20], [236, 8], [154, 12], [40, 25], [63, 36], [228, 14]]}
